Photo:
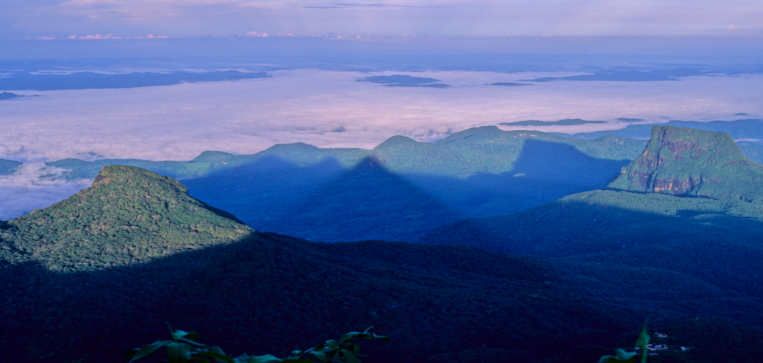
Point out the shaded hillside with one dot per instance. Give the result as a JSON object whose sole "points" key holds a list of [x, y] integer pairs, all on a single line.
{"points": [[711, 231], [747, 133], [210, 162], [129, 215], [684, 161], [271, 293], [7, 167], [478, 172]]}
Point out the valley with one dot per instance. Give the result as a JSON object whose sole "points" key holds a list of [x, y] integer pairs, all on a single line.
{"points": [[551, 280]]}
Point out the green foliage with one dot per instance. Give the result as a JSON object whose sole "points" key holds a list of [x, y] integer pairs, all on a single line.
{"points": [[630, 357], [184, 348], [210, 162], [129, 215], [404, 188], [684, 161]]}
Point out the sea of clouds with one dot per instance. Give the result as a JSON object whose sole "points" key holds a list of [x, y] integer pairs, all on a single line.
{"points": [[326, 109]]}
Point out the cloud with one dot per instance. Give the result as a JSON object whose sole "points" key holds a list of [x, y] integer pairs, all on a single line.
{"points": [[46, 38], [98, 37], [257, 35], [246, 116], [150, 36], [326, 109], [24, 191], [367, 5]]}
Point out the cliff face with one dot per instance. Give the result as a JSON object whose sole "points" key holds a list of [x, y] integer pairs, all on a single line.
{"points": [[683, 161]]}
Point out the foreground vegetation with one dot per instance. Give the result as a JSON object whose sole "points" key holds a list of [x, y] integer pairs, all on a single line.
{"points": [[184, 348]]}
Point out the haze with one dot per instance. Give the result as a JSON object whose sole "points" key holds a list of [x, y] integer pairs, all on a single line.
{"points": [[314, 54]]}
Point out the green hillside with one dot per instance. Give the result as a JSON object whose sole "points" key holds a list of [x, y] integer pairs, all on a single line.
{"points": [[268, 293], [129, 215], [210, 162], [710, 229], [682, 161], [404, 188], [7, 167]]}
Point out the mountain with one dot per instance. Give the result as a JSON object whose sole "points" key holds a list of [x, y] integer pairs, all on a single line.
{"points": [[708, 230], [748, 133], [8, 95], [129, 215], [403, 188], [267, 293], [8, 167], [211, 162], [309, 192], [683, 161]]}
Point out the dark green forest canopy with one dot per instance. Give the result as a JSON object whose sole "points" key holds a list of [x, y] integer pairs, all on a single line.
{"points": [[78, 292], [711, 236], [129, 215], [478, 150]]}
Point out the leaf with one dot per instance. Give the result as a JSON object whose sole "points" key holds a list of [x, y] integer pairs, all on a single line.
{"points": [[350, 356], [318, 354], [332, 344], [268, 358], [620, 356], [178, 352], [146, 350], [218, 357], [348, 336]]}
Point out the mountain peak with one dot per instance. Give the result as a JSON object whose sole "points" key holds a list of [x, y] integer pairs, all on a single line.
{"points": [[132, 177], [129, 215], [684, 161]]}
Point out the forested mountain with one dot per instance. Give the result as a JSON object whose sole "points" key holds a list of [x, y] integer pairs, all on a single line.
{"points": [[399, 190], [404, 188], [80, 287], [708, 227], [129, 215], [683, 161]]}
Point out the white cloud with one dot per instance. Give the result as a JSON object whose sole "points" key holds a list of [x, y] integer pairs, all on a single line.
{"points": [[178, 122], [99, 37], [23, 191], [323, 108]]}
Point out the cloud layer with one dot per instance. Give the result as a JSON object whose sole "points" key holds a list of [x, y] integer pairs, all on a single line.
{"points": [[23, 191], [326, 109], [246, 116]]}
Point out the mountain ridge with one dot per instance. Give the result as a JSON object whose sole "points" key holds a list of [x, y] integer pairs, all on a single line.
{"points": [[684, 161], [117, 220]]}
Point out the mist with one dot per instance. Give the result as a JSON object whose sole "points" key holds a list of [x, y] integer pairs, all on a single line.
{"points": [[333, 109]]}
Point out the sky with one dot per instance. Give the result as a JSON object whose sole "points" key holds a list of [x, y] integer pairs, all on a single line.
{"points": [[377, 18]]}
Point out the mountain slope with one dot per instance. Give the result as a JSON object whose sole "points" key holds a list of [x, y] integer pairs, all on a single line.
{"points": [[478, 172], [129, 215], [267, 293], [684, 161], [711, 231]]}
